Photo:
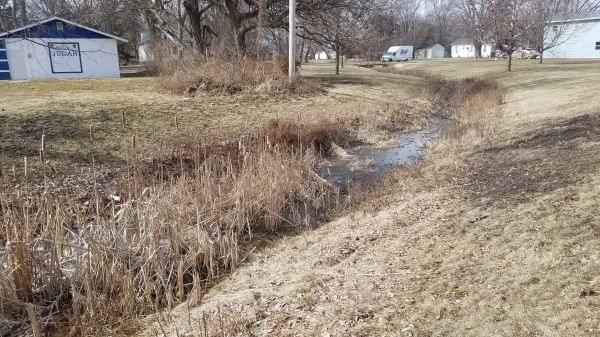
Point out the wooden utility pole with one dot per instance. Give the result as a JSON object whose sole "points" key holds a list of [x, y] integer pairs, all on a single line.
{"points": [[292, 43]]}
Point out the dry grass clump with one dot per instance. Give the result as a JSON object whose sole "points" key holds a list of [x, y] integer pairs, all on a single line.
{"points": [[477, 103], [479, 92], [319, 136], [414, 72], [88, 264], [469, 91], [414, 114], [225, 75]]}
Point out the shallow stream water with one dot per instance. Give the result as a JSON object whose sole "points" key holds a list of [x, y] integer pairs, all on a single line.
{"points": [[368, 164]]}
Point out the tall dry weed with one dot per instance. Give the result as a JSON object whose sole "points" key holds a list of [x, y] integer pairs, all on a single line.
{"points": [[165, 236], [225, 74]]}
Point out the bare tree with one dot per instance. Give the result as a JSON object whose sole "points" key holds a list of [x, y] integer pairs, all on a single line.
{"points": [[335, 25], [199, 30], [6, 15], [441, 18], [476, 16], [510, 26]]}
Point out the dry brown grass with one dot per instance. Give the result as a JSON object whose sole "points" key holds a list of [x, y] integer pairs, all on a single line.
{"points": [[476, 91], [65, 111], [320, 136], [466, 102], [505, 245], [226, 75], [177, 225]]}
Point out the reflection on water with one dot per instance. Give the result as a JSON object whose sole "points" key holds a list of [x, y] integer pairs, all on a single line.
{"points": [[368, 164]]}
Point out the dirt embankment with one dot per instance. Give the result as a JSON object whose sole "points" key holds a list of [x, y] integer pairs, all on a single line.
{"points": [[496, 234]]}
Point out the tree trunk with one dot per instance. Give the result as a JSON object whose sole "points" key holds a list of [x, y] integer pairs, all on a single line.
{"points": [[23, 9], [510, 61], [240, 42], [180, 30], [337, 62], [191, 8], [307, 54], [342, 60], [477, 45], [302, 46]]}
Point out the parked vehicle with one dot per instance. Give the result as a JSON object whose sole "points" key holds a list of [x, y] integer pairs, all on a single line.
{"points": [[398, 53]]}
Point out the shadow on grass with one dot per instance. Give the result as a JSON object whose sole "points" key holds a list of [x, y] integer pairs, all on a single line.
{"points": [[67, 137], [555, 156]]}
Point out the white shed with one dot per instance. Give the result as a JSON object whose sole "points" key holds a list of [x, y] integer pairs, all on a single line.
{"points": [[56, 48], [465, 48], [576, 36], [431, 51], [322, 55]]}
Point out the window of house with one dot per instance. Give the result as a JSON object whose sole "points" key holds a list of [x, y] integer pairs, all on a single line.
{"points": [[598, 45], [59, 25], [555, 28]]}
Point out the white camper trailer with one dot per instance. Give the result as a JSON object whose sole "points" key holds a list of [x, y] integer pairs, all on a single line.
{"points": [[398, 53]]}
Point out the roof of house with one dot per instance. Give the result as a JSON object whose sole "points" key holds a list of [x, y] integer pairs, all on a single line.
{"points": [[575, 17], [462, 40], [45, 29], [468, 41], [430, 45]]}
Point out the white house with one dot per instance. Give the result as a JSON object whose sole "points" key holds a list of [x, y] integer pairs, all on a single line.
{"points": [[56, 48], [322, 55], [465, 48], [431, 51], [576, 36]]}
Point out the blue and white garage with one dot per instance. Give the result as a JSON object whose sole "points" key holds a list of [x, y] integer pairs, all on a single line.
{"points": [[57, 48]]}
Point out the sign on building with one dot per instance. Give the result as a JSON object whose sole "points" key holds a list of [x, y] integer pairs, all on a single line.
{"points": [[65, 57]]}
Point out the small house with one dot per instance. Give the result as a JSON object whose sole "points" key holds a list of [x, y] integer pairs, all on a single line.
{"points": [[321, 55], [465, 48], [56, 48], [574, 36], [431, 51]]}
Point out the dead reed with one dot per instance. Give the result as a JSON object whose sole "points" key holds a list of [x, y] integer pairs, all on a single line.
{"points": [[85, 265], [223, 74], [466, 92]]}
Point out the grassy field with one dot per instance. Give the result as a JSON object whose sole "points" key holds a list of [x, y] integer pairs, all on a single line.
{"points": [[66, 111], [497, 234]]}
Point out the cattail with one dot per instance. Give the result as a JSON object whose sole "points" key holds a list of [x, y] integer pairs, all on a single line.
{"points": [[35, 323], [180, 282], [21, 274], [43, 148]]}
